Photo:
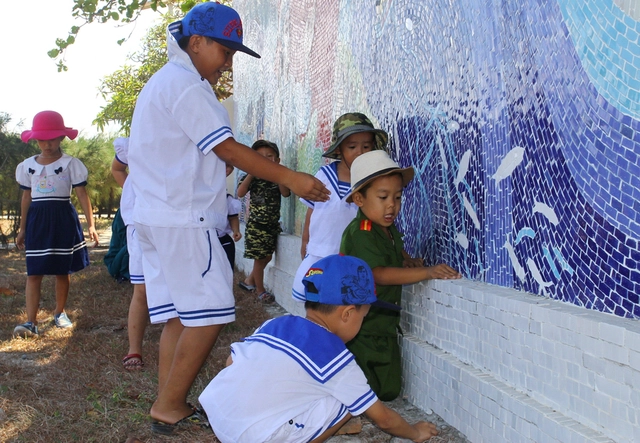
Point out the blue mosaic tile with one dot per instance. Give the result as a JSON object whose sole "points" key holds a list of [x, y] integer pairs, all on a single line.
{"points": [[522, 120]]}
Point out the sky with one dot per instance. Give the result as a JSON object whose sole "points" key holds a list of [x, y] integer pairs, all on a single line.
{"points": [[29, 79]]}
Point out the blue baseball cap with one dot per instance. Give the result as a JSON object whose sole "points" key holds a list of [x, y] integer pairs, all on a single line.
{"points": [[342, 280], [218, 22]]}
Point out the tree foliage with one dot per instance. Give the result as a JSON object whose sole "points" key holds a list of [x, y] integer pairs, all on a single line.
{"points": [[12, 152], [121, 88], [103, 11]]}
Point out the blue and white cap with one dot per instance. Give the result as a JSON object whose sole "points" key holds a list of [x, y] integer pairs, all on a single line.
{"points": [[342, 280], [218, 22]]}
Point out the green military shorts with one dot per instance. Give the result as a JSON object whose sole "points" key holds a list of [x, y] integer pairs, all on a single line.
{"points": [[379, 359]]}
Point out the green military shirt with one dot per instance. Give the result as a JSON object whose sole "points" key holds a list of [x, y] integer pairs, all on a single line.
{"points": [[368, 241]]}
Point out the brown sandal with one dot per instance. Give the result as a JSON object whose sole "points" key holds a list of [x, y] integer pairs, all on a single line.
{"points": [[132, 362]]}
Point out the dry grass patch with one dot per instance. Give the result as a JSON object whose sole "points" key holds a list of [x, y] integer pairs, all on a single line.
{"points": [[69, 385]]}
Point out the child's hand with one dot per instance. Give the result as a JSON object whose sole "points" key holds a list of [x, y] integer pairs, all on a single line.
{"points": [[442, 272], [20, 240], [309, 187], [93, 235], [410, 262], [426, 431], [237, 236]]}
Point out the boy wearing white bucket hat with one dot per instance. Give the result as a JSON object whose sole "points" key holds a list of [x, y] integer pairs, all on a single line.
{"points": [[376, 188]]}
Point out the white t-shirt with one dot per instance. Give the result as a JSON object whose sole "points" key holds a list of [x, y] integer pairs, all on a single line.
{"points": [[54, 180], [128, 198], [286, 365], [329, 219], [177, 180]]}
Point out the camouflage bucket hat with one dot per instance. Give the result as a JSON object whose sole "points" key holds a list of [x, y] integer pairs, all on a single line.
{"points": [[353, 123]]}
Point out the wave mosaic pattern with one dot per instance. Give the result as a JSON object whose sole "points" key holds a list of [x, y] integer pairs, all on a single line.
{"points": [[522, 120]]}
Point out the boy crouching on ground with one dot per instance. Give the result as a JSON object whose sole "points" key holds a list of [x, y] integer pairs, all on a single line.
{"points": [[294, 380]]}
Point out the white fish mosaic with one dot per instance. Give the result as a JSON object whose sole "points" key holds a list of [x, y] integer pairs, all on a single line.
{"points": [[509, 163]]}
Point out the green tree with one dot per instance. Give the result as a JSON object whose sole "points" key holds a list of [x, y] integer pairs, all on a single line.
{"points": [[96, 153], [12, 152], [120, 89]]}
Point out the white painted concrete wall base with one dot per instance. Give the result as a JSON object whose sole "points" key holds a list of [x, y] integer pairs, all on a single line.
{"points": [[506, 366]]}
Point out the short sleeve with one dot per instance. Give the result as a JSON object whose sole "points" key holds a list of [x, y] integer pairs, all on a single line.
{"points": [[203, 118], [233, 206], [22, 176], [121, 146], [353, 391], [78, 173]]}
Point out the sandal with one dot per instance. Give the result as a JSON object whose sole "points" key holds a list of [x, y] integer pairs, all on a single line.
{"points": [[246, 287], [266, 297], [133, 362], [196, 418]]}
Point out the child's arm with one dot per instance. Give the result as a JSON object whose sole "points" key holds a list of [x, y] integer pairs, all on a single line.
{"points": [[388, 275], [305, 233], [119, 172], [83, 198], [243, 187], [234, 222], [24, 208], [410, 262], [284, 191], [248, 160], [391, 422]]}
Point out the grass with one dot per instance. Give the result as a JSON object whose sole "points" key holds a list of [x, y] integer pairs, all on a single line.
{"points": [[69, 385]]}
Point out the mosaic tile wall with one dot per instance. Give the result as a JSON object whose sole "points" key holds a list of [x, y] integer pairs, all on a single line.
{"points": [[522, 120]]}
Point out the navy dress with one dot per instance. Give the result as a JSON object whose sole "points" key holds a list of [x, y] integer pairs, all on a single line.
{"points": [[54, 242]]}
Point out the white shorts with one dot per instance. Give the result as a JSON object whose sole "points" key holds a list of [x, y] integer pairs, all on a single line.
{"points": [[136, 275], [320, 416], [297, 291], [187, 276]]}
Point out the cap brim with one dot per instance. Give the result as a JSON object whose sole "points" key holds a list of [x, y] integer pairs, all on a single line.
{"points": [[386, 305], [236, 46], [381, 136], [407, 176]]}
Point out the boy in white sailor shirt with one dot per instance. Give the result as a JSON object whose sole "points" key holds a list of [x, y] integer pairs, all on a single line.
{"points": [[294, 380]]}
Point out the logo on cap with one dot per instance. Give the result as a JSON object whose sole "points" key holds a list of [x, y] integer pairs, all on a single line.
{"points": [[233, 24], [314, 271]]}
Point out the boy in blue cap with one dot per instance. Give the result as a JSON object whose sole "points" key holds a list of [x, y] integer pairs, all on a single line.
{"points": [[294, 380], [180, 140]]}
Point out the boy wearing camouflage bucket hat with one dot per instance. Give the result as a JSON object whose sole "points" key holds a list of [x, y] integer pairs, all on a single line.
{"points": [[353, 135]]}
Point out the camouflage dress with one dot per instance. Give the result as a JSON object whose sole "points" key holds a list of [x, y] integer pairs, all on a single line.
{"points": [[263, 226]]}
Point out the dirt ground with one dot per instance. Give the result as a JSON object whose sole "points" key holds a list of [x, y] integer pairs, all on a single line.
{"points": [[70, 386]]}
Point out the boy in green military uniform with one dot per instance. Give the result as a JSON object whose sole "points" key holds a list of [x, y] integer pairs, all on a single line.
{"points": [[263, 226], [376, 188]]}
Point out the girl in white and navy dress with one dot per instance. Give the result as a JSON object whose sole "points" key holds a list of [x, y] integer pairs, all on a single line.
{"points": [[50, 232]]}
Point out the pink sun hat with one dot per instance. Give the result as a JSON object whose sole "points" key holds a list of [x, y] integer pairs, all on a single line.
{"points": [[48, 125]]}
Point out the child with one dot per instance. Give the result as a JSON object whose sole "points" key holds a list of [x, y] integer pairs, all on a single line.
{"points": [[138, 316], [180, 140], [377, 183], [50, 232], [263, 226], [294, 380], [353, 134], [231, 233]]}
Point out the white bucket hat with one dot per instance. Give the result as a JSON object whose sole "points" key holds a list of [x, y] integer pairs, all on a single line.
{"points": [[372, 165]]}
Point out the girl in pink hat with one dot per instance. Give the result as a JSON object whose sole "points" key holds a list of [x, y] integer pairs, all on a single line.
{"points": [[50, 232]]}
